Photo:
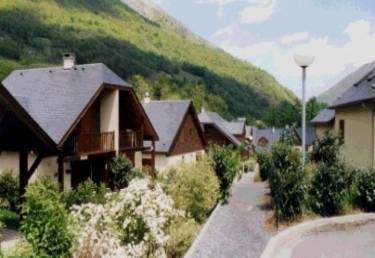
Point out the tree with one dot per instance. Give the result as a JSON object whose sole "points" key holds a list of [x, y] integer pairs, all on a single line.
{"points": [[284, 114], [313, 107]]}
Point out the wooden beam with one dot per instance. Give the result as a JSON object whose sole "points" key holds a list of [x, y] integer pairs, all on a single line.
{"points": [[60, 165], [34, 166], [23, 167], [153, 155]]}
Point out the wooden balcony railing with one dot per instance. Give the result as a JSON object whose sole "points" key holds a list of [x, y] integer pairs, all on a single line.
{"points": [[91, 143], [131, 139]]}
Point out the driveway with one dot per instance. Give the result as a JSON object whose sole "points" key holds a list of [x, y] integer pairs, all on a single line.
{"points": [[235, 229]]}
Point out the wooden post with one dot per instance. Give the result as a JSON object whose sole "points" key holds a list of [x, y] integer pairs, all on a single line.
{"points": [[60, 165], [23, 169], [153, 154]]}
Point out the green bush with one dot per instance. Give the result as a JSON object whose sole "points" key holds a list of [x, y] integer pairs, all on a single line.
{"points": [[327, 150], [287, 182], [193, 187], [9, 191], [328, 191], [86, 192], [366, 190], [1, 227], [10, 219], [226, 164], [46, 221], [121, 172], [265, 164], [182, 234]]}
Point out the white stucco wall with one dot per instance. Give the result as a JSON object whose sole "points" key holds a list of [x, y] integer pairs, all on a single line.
{"points": [[47, 168], [163, 162], [110, 114]]}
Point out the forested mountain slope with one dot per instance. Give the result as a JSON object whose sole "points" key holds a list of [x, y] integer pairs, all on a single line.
{"points": [[153, 55]]}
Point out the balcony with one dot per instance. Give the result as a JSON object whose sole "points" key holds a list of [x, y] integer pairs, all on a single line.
{"points": [[89, 143], [131, 139]]}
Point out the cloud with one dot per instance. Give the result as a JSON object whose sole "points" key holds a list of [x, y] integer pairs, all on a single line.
{"points": [[258, 12], [294, 38], [331, 59], [254, 11]]}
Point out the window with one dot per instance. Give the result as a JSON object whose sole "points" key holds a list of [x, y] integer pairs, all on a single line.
{"points": [[342, 130]]}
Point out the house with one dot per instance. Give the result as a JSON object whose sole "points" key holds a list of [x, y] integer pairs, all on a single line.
{"points": [[20, 134], [85, 113], [323, 122], [238, 129], [310, 137], [355, 123], [216, 131], [181, 137], [263, 139]]}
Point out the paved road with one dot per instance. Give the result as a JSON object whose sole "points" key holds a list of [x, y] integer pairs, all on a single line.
{"points": [[235, 230], [8, 238]]}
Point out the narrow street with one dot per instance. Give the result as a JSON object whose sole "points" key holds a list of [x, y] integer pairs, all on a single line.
{"points": [[236, 229]]}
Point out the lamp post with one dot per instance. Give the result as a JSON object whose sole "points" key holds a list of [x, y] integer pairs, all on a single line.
{"points": [[303, 62]]}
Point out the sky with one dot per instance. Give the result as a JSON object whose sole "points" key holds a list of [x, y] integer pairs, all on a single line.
{"points": [[340, 34]]}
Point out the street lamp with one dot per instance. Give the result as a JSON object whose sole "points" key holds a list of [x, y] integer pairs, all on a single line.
{"points": [[303, 62]]}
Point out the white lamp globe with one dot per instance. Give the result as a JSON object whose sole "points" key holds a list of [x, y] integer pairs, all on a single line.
{"points": [[303, 60]]}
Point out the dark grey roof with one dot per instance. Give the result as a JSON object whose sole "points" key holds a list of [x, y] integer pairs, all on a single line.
{"points": [[55, 97], [166, 117], [362, 91], [220, 123], [271, 134], [235, 127], [310, 135], [343, 85], [324, 116]]}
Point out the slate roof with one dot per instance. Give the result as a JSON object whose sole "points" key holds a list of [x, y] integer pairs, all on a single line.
{"points": [[348, 81], [166, 117], [235, 127], [325, 116], [55, 97], [220, 123], [364, 90], [310, 135]]}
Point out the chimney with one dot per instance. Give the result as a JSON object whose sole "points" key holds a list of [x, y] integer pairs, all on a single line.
{"points": [[69, 61], [147, 98]]}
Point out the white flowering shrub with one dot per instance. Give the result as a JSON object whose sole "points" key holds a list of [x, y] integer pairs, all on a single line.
{"points": [[132, 223]]}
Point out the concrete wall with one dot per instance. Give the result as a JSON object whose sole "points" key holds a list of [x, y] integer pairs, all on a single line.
{"points": [[138, 160], [47, 168], [163, 162], [110, 113], [359, 134]]}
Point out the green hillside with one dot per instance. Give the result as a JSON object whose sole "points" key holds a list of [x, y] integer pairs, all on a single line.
{"points": [[150, 55]]}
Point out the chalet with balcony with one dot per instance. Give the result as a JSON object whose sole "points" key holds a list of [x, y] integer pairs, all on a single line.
{"points": [[181, 137], [86, 113]]}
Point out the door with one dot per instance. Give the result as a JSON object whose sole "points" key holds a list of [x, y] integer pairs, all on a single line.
{"points": [[94, 169]]}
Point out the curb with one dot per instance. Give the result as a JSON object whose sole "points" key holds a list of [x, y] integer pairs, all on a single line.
{"points": [[202, 232], [293, 234]]}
